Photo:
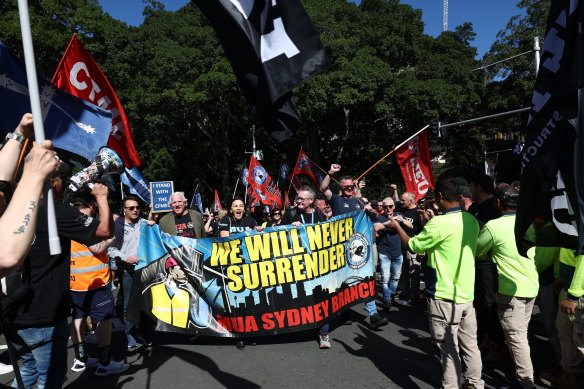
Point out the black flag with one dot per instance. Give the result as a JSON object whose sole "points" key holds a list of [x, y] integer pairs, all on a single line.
{"points": [[273, 47], [551, 206]]}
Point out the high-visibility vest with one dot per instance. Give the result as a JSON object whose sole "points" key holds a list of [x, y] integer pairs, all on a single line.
{"points": [[172, 310], [88, 271]]}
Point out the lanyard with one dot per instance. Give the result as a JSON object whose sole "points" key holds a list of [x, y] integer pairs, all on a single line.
{"points": [[311, 215]]}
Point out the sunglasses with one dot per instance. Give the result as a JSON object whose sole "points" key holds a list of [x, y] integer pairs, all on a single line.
{"points": [[347, 186], [276, 213], [131, 208], [388, 206]]}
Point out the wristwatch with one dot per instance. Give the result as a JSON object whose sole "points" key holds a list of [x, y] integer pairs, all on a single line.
{"points": [[15, 136]]}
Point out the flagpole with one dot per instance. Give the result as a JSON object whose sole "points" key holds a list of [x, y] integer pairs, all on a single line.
{"points": [[235, 190], [392, 151], [39, 130]]}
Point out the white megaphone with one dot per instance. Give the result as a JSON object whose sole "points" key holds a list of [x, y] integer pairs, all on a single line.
{"points": [[107, 161]]}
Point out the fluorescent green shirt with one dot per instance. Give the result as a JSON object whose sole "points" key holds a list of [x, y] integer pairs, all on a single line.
{"points": [[450, 241], [517, 275], [572, 273]]}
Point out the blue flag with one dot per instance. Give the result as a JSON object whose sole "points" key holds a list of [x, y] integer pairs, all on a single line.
{"points": [[138, 185], [71, 123], [196, 201]]}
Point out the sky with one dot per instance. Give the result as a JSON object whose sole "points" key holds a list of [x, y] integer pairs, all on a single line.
{"points": [[487, 17]]}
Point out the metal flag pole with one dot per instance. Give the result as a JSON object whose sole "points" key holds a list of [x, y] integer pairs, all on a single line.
{"points": [[39, 131]]}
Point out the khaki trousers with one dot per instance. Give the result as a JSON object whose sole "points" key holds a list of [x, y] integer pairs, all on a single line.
{"points": [[571, 335], [453, 328], [515, 313]]}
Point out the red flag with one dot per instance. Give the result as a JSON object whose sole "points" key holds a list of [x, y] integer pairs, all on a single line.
{"points": [[79, 75], [305, 166], [217, 205], [413, 158], [263, 185]]}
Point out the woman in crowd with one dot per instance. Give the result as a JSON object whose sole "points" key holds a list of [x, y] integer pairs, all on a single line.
{"points": [[276, 215], [234, 223]]}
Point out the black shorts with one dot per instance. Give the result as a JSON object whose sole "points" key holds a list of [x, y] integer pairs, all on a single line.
{"points": [[97, 303]]}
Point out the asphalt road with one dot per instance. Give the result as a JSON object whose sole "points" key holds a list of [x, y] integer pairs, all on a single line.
{"points": [[400, 355]]}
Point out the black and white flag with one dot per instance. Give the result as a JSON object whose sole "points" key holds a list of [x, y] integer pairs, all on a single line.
{"points": [[273, 47], [552, 187]]}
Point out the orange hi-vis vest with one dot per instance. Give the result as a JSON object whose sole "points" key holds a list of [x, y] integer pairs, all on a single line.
{"points": [[88, 271]]}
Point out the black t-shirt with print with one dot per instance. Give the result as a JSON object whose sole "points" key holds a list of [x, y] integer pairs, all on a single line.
{"points": [[184, 226], [50, 297], [236, 226]]}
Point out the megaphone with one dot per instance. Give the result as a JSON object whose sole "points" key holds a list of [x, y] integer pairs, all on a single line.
{"points": [[107, 161]]}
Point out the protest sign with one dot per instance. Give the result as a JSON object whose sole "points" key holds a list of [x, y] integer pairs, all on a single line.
{"points": [[160, 192], [284, 279]]}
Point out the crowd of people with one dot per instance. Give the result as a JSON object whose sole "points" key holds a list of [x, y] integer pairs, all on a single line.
{"points": [[478, 290]]}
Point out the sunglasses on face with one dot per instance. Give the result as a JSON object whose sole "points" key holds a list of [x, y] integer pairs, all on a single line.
{"points": [[347, 187], [388, 206], [132, 208], [276, 214]]}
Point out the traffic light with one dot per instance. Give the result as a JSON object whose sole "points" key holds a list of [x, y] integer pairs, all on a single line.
{"points": [[435, 128]]}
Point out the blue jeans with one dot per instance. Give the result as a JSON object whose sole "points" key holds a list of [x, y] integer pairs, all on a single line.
{"points": [[390, 273], [45, 358], [127, 280]]}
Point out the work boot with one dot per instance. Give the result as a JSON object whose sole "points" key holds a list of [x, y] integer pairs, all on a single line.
{"points": [[377, 321], [386, 306]]}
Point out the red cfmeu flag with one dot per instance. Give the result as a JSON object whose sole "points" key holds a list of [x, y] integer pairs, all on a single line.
{"points": [[263, 185], [217, 203], [79, 75], [413, 158], [305, 166]]}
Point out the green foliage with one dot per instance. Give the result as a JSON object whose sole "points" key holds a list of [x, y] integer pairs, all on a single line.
{"points": [[191, 124]]}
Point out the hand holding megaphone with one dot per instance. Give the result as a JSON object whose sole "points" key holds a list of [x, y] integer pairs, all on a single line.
{"points": [[106, 162]]}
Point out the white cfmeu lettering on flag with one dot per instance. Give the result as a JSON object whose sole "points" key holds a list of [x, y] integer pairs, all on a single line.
{"points": [[82, 85]]}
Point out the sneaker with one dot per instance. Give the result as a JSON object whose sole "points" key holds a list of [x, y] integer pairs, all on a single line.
{"points": [[377, 321], [325, 342], [3, 346], [80, 366], [5, 369], [132, 344], [113, 368], [386, 306]]}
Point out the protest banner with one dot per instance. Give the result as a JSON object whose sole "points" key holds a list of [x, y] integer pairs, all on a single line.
{"points": [[160, 192], [283, 279]]}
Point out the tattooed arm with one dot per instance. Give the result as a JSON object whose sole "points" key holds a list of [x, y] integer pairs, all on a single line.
{"points": [[102, 246], [18, 223]]}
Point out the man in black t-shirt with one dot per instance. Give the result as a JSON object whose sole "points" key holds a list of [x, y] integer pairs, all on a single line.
{"points": [[345, 204], [412, 264], [489, 331], [305, 213], [182, 221], [390, 250], [40, 329]]}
